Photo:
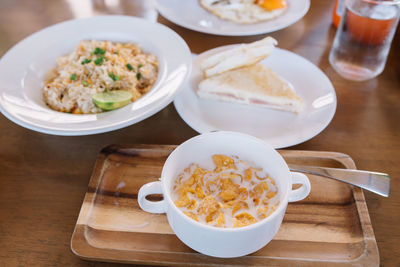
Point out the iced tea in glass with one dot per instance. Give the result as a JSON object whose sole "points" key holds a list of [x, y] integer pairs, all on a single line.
{"points": [[363, 38]]}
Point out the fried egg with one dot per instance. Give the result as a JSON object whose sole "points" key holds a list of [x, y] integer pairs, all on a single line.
{"points": [[245, 11]]}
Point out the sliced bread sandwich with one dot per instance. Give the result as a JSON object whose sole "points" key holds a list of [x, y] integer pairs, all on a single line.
{"points": [[237, 57], [256, 85]]}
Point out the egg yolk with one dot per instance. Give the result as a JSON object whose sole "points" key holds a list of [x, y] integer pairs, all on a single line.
{"points": [[272, 4]]}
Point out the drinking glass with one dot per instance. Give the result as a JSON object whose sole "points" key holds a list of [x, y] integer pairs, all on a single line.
{"points": [[363, 38]]}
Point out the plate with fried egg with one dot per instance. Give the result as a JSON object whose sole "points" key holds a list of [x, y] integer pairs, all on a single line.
{"points": [[233, 17]]}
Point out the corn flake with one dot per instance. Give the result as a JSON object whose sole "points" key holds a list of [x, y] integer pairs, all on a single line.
{"points": [[243, 219], [231, 195]]}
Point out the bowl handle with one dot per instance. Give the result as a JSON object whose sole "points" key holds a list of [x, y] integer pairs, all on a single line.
{"points": [[147, 205], [301, 192]]}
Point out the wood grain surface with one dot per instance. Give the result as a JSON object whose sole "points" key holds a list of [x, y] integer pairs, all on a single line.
{"points": [[43, 178], [330, 227]]}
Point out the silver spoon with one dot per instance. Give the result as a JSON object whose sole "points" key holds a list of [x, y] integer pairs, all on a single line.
{"points": [[376, 182]]}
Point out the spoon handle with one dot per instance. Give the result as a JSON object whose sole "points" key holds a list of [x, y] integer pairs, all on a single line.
{"points": [[376, 182]]}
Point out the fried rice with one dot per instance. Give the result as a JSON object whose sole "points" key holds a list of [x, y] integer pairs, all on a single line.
{"points": [[98, 66]]}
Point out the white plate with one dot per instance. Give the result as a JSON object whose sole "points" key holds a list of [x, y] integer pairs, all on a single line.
{"points": [[278, 128], [191, 15], [22, 71]]}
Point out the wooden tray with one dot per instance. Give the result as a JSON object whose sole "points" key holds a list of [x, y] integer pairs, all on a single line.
{"points": [[330, 227]]}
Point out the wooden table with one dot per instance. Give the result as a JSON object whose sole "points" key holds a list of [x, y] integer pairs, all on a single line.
{"points": [[43, 178]]}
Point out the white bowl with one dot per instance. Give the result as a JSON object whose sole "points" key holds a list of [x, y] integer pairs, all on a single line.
{"points": [[215, 241], [23, 68]]}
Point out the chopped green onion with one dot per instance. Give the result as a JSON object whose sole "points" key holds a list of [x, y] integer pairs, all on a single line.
{"points": [[138, 76], [139, 66], [129, 66], [114, 77], [99, 61], [85, 61], [99, 51], [107, 91], [85, 83], [72, 77]]}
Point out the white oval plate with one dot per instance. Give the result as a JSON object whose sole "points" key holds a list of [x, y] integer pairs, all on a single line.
{"points": [[278, 128], [23, 67], [191, 15]]}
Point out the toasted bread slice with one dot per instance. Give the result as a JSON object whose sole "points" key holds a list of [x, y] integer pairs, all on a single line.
{"points": [[256, 85], [237, 57]]}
